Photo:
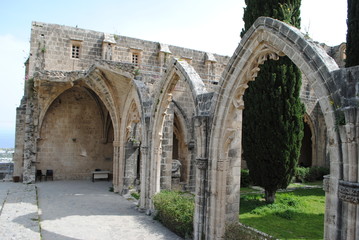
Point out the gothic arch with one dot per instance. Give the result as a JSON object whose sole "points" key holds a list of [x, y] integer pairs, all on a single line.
{"points": [[181, 130], [94, 80], [131, 134], [162, 98], [266, 39], [78, 126]]}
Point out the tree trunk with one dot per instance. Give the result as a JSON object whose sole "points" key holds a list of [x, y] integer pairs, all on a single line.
{"points": [[270, 196]]}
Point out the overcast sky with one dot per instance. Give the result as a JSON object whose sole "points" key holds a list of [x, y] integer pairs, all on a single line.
{"points": [[207, 25]]}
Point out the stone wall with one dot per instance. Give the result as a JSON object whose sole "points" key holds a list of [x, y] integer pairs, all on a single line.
{"points": [[51, 50], [71, 139]]}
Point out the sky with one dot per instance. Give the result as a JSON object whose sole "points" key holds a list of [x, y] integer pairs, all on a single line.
{"points": [[206, 25]]}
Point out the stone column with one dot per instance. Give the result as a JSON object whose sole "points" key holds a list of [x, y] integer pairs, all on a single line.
{"points": [[116, 161], [30, 142], [19, 140], [145, 180], [348, 189], [201, 186], [201, 198], [130, 166], [167, 145]]}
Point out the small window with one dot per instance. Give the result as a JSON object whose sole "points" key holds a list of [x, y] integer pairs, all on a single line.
{"points": [[75, 51], [135, 58]]}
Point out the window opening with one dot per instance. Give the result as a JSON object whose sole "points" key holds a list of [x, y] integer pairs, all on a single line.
{"points": [[134, 58], [75, 51]]}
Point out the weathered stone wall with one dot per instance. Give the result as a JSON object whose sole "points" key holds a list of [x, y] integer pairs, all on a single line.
{"points": [[19, 140], [51, 49], [71, 138]]}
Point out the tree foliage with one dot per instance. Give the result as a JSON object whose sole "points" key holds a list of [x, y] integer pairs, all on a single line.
{"points": [[273, 115], [352, 50]]}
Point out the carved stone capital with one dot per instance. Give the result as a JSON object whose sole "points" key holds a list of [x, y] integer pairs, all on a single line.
{"points": [[202, 163], [348, 192]]}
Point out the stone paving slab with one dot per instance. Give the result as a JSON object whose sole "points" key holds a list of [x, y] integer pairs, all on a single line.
{"points": [[86, 210], [19, 212]]}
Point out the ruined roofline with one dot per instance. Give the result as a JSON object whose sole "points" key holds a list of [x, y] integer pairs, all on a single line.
{"points": [[52, 25], [124, 69]]}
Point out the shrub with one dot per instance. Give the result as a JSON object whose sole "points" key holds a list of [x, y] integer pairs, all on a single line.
{"points": [[301, 174], [135, 195], [317, 173], [311, 174], [175, 210], [245, 178]]}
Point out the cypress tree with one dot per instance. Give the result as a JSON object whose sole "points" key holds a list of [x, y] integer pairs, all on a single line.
{"points": [[352, 50], [273, 115]]}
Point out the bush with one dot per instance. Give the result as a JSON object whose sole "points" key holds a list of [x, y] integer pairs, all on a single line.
{"points": [[245, 178], [135, 195], [311, 174], [317, 173], [301, 174], [175, 211]]}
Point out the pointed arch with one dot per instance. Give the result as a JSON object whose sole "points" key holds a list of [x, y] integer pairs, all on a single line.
{"points": [[266, 39], [162, 98]]}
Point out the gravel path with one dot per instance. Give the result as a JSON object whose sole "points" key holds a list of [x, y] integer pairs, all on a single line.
{"points": [[71, 210]]}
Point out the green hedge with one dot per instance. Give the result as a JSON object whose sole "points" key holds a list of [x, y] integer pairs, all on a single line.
{"points": [[175, 210], [311, 174]]}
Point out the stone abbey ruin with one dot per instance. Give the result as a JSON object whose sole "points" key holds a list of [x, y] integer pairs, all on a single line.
{"points": [[164, 117]]}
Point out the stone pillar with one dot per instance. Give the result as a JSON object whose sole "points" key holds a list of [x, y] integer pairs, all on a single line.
{"points": [[166, 154], [348, 189], [131, 155], [30, 143], [145, 179], [201, 197], [19, 141], [201, 171], [117, 186]]}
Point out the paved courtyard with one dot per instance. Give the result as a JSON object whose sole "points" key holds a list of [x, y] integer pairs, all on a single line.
{"points": [[73, 210]]}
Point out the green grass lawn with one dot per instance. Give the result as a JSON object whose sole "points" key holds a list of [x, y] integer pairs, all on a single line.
{"points": [[295, 215]]}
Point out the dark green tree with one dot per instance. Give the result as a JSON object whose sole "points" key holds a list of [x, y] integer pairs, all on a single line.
{"points": [[352, 50], [273, 115]]}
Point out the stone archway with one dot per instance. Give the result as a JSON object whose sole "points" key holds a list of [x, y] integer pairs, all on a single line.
{"points": [[108, 84], [76, 136], [132, 142], [267, 39], [161, 107]]}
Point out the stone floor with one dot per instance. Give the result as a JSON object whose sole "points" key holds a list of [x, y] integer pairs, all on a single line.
{"points": [[73, 210]]}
